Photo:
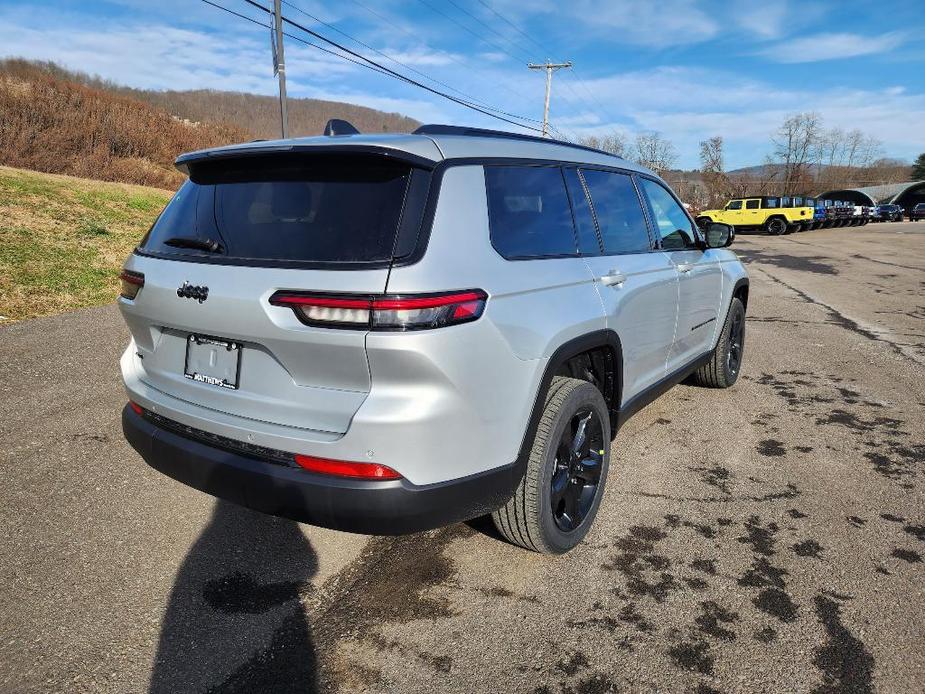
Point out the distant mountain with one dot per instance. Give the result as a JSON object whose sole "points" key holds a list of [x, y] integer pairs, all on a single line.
{"points": [[60, 121]]}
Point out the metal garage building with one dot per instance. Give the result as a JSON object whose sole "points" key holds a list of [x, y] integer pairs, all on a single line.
{"points": [[905, 194]]}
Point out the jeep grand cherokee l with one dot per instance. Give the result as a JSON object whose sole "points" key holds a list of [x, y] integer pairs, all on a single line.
{"points": [[388, 333]]}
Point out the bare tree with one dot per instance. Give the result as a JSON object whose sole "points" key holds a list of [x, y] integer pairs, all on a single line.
{"points": [[795, 148], [654, 152], [615, 143], [713, 171]]}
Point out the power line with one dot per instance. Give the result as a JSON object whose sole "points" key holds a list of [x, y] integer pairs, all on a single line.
{"points": [[596, 104], [467, 29], [487, 26], [393, 73], [448, 55], [294, 37], [511, 24], [471, 98]]}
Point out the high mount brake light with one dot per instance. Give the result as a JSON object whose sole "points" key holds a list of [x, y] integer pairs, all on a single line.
{"points": [[132, 282], [341, 468], [387, 312]]}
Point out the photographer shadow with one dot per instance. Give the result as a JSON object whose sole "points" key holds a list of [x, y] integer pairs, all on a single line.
{"points": [[234, 620]]}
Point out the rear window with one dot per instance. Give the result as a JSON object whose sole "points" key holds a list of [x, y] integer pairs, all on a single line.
{"points": [[529, 213], [286, 210]]}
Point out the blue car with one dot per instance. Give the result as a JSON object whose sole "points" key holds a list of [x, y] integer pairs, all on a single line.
{"points": [[818, 212]]}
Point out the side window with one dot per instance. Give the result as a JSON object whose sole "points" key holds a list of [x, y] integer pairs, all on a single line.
{"points": [[770, 203], [674, 226], [752, 204], [528, 212], [588, 242], [618, 211], [734, 205]]}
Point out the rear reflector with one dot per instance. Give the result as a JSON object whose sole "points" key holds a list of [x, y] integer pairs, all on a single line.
{"points": [[132, 282], [388, 312], [136, 408], [339, 468]]}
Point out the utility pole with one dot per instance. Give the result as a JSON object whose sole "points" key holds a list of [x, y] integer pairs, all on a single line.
{"points": [[279, 65], [548, 67]]}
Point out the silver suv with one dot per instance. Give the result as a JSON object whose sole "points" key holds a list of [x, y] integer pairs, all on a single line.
{"points": [[388, 333]]}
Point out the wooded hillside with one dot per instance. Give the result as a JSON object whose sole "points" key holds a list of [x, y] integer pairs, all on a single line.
{"points": [[60, 121]]}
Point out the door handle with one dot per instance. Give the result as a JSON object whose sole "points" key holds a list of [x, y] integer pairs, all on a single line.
{"points": [[613, 277], [685, 267]]}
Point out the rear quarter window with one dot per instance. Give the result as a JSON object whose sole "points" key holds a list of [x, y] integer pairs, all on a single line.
{"points": [[528, 212], [618, 210]]}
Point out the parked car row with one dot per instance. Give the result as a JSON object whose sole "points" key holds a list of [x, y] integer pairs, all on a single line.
{"points": [[788, 213], [896, 213]]}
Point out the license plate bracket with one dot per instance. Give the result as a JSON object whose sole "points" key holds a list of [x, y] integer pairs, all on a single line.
{"points": [[213, 361]]}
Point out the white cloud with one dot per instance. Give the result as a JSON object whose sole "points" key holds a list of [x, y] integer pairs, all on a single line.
{"points": [[689, 105], [811, 49], [764, 19]]}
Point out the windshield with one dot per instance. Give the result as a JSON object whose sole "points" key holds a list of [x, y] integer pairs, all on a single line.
{"points": [[314, 210]]}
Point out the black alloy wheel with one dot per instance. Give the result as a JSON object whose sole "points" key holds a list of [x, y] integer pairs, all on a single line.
{"points": [[577, 473], [776, 227], [736, 334]]}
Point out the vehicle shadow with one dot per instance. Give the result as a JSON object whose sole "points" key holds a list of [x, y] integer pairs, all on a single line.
{"points": [[234, 621]]}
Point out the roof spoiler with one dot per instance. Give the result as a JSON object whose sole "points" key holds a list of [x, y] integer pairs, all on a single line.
{"points": [[336, 126]]}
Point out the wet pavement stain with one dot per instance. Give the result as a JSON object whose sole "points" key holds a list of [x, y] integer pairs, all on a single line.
{"points": [[694, 656], [712, 619], [776, 603], [844, 660], [808, 548], [771, 448], [907, 555]]}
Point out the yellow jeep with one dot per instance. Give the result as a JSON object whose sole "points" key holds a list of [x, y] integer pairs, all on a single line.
{"points": [[776, 215]]}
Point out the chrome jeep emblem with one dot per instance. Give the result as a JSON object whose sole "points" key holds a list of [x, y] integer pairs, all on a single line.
{"points": [[192, 291]]}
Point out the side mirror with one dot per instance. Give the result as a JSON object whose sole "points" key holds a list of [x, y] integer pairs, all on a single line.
{"points": [[718, 235]]}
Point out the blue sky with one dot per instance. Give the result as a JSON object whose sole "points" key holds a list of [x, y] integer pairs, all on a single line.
{"points": [[686, 69]]}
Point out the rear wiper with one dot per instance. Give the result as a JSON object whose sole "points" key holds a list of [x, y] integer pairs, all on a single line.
{"points": [[205, 244]]}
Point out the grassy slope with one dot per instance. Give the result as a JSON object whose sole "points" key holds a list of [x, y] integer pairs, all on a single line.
{"points": [[63, 239]]}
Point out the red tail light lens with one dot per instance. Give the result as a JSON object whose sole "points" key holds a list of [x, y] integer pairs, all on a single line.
{"points": [[136, 408], [340, 468], [386, 312], [132, 282]]}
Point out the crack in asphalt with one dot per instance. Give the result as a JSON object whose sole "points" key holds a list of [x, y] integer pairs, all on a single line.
{"points": [[850, 324]]}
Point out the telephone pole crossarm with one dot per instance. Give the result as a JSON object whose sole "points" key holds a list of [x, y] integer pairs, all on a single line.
{"points": [[549, 68]]}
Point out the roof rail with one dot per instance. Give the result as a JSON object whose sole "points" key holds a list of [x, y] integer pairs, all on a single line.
{"points": [[439, 129]]}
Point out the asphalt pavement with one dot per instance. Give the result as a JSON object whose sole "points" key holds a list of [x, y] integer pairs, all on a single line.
{"points": [[764, 538]]}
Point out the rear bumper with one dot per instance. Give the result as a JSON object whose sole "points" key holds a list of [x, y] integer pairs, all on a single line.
{"points": [[362, 506]]}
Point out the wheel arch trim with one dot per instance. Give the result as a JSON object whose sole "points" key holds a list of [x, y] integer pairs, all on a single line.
{"points": [[565, 351]]}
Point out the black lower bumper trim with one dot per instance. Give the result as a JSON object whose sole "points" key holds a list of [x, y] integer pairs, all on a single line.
{"points": [[370, 507]]}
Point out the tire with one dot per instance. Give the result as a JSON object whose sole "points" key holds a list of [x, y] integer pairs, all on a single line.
{"points": [[530, 518], [792, 228], [725, 365], [776, 226]]}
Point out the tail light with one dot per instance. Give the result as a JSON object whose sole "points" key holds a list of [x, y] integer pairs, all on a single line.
{"points": [[387, 312], [340, 468], [132, 282]]}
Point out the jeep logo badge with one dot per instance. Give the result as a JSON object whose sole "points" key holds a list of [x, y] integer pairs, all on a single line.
{"points": [[191, 291]]}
